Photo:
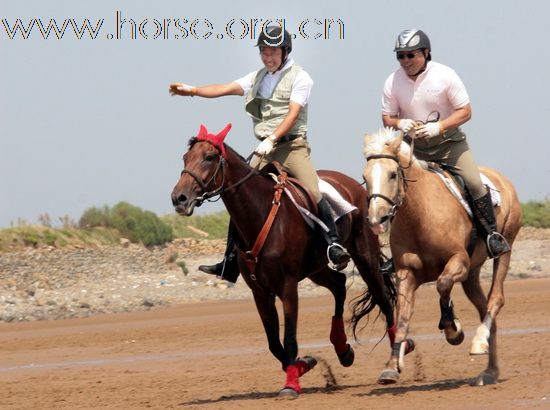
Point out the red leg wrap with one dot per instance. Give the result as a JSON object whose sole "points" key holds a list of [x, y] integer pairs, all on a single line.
{"points": [[391, 334], [292, 378], [338, 335]]}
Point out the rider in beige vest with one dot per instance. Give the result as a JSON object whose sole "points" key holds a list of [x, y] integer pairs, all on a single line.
{"points": [[276, 98]]}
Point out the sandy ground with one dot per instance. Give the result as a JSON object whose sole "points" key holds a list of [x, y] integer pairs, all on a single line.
{"points": [[213, 355]]}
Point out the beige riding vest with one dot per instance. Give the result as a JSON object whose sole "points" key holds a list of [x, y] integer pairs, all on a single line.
{"points": [[268, 113]]}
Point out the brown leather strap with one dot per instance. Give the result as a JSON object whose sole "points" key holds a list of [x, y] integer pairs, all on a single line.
{"points": [[252, 255]]}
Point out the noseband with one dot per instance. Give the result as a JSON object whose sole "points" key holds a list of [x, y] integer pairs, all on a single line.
{"points": [[397, 200], [221, 167], [206, 195]]}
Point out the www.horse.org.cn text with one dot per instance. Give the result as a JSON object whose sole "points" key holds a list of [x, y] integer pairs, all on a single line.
{"points": [[123, 27]]}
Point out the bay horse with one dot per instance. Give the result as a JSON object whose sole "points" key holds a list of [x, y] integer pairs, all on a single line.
{"points": [[429, 237], [292, 250]]}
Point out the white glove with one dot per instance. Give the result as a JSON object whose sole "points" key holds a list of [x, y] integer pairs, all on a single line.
{"points": [[182, 89], [406, 125], [428, 130], [266, 146]]}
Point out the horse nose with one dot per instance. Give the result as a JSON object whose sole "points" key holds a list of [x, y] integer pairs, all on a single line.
{"points": [[376, 225], [373, 220], [177, 199]]}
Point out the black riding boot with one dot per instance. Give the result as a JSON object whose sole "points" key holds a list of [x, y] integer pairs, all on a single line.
{"points": [[487, 227], [228, 268], [336, 253]]}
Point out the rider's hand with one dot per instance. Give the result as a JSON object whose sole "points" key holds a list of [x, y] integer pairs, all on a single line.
{"points": [[182, 89], [406, 125], [266, 146], [429, 130]]}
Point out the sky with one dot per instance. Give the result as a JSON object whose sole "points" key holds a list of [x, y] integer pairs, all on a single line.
{"points": [[89, 122]]}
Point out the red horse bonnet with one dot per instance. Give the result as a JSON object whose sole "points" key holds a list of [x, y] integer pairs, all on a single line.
{"points": [[215, 139]]}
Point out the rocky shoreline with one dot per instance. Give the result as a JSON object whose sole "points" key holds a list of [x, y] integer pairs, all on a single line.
{"points": [[49, 283]]}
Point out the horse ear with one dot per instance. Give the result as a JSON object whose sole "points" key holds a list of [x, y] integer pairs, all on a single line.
{"points": [[221, 135], [202, 132]]}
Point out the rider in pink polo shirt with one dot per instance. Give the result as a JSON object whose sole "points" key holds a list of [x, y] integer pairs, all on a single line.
{"points": [[420, 89]]}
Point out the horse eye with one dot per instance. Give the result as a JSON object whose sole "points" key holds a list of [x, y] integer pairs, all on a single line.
{"points": [[393, 175], [209, 157]]}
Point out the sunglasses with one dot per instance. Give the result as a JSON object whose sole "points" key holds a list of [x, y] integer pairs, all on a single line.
{"points": [[410, 56]]}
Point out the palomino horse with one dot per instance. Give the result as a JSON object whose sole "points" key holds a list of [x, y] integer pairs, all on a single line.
{"points": [[292, 250], [429, 237]]}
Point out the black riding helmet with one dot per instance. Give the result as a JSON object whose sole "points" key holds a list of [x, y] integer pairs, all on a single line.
{"points": [[413, 39], [273, 39]]}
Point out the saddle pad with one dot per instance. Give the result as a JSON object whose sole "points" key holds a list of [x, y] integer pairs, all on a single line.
{"points": [[338, 204], [451, 185]]}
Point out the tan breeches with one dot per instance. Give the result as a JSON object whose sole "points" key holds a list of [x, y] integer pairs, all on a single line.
{"points": [[458, 154], [295, 159]]}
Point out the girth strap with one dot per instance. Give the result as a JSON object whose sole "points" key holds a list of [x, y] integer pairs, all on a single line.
{"points": [[251, 257]]}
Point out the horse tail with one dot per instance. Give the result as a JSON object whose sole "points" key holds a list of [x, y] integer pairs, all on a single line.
{"points": [[363, 304], [391, 287]]}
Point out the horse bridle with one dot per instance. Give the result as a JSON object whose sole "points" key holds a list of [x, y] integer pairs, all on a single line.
{"points": [[401, 181], [207, 195]]}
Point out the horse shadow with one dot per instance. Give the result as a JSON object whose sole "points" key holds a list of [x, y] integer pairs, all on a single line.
{"points": [[255, 395], [443, 385]]}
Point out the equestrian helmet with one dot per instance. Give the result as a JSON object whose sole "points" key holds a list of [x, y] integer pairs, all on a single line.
{"points": [[273, 39], [412, 39]]}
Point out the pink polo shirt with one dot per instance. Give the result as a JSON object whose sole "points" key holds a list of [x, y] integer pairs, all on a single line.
{"points": [[438, 88]]}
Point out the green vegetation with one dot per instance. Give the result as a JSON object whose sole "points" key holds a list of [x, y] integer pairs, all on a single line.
{"points": [[106, 226], [183, 267], [132, 222], [212, 226], [536, 213], [35, 236]]}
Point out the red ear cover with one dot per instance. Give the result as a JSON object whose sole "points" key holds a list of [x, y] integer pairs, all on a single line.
{"points": [[216, 140]]}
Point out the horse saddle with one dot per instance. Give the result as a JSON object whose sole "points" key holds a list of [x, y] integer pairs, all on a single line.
{"points": [[301, 196], [455, 184]]}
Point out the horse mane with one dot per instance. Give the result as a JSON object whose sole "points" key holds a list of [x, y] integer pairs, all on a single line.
{"points": [[377, 142]]}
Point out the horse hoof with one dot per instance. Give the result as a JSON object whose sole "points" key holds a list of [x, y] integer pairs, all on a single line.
{"points": [[305, 364], [388, 376], [485, 378], [410, 346], [455, 339], [454, 333], [346, 359], [480, 342], [288, 393], [479, 349]]}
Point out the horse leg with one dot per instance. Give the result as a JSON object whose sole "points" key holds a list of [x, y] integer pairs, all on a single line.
{"points": [[336, 282], [405, 304], [265, 304], [482, 339], [485, 340], [474, 292], [295, 368], [456, 270]]}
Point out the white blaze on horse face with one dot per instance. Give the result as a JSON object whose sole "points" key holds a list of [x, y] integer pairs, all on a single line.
{"points": [[376, 178], [376, 209]]}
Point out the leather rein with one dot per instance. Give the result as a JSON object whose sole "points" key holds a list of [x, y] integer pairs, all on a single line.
{"points": [[250, 257], [220, 167]]}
